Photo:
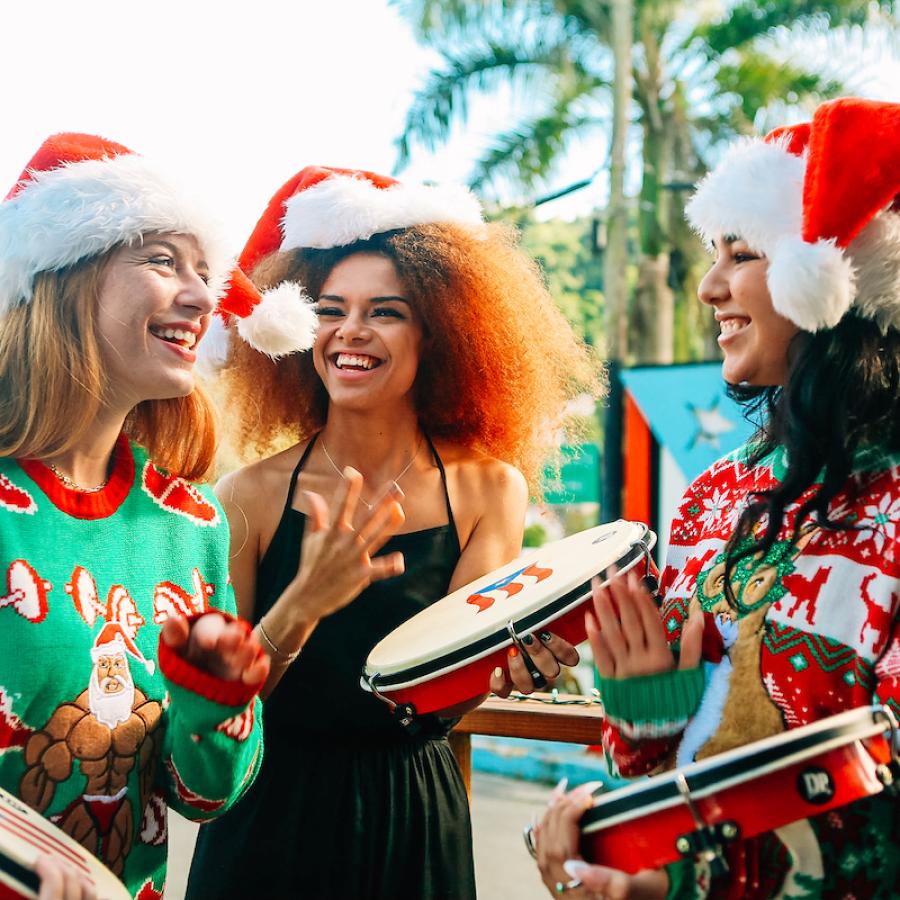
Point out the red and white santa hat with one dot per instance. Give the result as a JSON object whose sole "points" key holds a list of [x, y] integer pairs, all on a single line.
{"points": [[81, 195], [114, 639], [320, 208], [820, 200]]}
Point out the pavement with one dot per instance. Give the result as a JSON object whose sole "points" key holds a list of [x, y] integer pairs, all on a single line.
{"points": [[501, 807]]}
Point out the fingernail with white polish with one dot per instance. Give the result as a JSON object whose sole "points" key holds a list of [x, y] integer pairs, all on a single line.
{"points": [[575, 868], [591, 786]]}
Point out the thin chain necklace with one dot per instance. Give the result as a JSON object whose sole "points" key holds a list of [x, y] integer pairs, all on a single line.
{"points": [[73, 485], [365, 503]]}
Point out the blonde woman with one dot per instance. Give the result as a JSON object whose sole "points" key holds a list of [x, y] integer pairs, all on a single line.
{"points": [[127, 684]]}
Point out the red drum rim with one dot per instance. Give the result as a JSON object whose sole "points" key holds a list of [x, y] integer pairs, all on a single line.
{"points": [[500, 638], [746, 763]]}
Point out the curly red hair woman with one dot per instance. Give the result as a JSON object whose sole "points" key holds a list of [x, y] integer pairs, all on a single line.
{"points": [[441, 369]]}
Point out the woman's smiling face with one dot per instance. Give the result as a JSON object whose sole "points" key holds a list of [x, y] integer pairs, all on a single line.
{"points": [[754, 338], [370, 336], [154, 307]]}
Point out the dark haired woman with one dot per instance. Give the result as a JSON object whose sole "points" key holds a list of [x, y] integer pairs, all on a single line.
{"points": [[439, 368], [783, 572]]}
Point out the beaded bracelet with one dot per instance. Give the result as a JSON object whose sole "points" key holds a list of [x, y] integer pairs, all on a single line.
{"points": [[287, 657]]}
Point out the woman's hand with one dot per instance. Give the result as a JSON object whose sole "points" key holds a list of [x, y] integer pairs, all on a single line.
{"points": [[338, 561], [563, 871], [59, 881], [226, 649], [546, 653], [627, 634]]}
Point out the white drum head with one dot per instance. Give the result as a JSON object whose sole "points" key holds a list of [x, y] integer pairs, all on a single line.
{"points": [[25, 834], [531, 591]]}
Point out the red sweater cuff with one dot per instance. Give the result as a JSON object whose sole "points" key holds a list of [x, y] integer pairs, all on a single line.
{"points": [[186, 675]]}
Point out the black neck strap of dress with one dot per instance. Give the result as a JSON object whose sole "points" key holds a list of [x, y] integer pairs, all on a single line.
{"points": [[440, 465], [288, 503]]}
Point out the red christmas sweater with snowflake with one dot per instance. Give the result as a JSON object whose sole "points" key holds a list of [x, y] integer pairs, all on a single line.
{"points": [[101, 726], [814, 632]]}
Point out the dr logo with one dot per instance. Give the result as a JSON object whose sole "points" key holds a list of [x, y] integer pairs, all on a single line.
{"points": [[510, 585], [815, 785]]}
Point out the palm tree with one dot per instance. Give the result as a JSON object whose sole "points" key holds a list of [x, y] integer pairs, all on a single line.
{"points": [[699, 75]]}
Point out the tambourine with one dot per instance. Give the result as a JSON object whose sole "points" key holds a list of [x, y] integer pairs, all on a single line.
{"points": [[445, 655], [24, 835], [698, 809]]}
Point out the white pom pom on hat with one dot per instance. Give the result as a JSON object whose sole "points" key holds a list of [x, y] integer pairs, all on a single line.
{"points": [[819, 199]]}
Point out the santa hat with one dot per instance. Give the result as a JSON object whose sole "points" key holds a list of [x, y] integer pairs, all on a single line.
{"points": [[320, 208], [114, 639], [80, 196], [820, 201]]}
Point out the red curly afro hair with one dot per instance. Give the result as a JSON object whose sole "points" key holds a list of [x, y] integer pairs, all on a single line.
{"points": [[502, 361]]}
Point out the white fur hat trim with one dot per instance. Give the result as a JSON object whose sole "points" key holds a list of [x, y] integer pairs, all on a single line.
{"points": [[283, 322], [755, 193], [83, 209], [340, 210]]}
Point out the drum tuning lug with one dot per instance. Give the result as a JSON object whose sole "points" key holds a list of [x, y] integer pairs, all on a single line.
{"points": [[730, 831], [404, 713], [889, 775], [537, 676], [707, 840], [651, 582]]}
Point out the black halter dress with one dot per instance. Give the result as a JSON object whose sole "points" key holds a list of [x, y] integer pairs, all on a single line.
{"points": [[347, 806]]}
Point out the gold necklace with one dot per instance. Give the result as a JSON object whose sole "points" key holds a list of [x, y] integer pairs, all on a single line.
{"points": [[365, 503], [72, 485]]}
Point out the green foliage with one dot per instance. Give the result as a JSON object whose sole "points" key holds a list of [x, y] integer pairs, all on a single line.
{"points": [[753, 81], [751, 19], [572, 268], [535, 536]]}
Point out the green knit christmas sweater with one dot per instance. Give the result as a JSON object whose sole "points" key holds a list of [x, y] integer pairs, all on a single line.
{"points": [[102, 727], [813, 631]]}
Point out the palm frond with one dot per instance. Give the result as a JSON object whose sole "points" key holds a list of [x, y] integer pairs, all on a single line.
{"points": [[445, 95], [751, 19], [439, 21], [526, 154], [755, 81]]}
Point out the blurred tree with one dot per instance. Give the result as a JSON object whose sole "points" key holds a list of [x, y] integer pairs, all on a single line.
{"points": [[572, 268], [702, 72]]}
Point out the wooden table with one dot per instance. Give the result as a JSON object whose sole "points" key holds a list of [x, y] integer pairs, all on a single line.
{"points": [[574, 723]]}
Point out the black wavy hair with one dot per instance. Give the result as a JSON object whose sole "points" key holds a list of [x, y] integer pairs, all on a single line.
{"points": [[842, 394]]}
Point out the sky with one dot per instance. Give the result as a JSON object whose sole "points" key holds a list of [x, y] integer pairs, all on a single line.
{"points": [[240, 96]]}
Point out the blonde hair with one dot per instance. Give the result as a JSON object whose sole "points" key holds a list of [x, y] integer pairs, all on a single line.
{"points": [[52, 380]]}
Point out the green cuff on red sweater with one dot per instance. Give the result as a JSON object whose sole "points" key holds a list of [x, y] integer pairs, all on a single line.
{"points": [[234, 695], [661, 703], [682, 881]]}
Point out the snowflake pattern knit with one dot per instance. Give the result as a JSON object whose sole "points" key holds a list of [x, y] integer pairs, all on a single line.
{"points": [[813, 632], [101, 726]]}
